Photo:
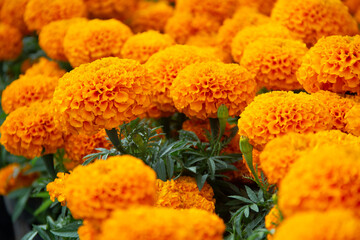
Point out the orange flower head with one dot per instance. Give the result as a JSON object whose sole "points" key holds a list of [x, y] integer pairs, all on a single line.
{"points": [[162, 224], [311, 20], [52, 36], [357, 16], [10, 42], [352, 120], [333, 64], [56, 188], [274, 62], [325, 178], [116, 183], [264, 6], [88, 41], [90, 229], [32, 131], [183, 193], [353, 5], [274, 114], [164, 67], [201, 88], [12, 13], [272, 220], [39, 13], [142, 46], [106, 9], [27, 90], [45, 67]]}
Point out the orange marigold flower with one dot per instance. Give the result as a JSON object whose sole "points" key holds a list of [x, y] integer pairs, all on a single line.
{"points": [[264, 6], [311, 20], [56, 188], [45, 67], [183, 193], [154, 112], [142, 46], [151, 16], [10, 42], [78, 146], [13, 177], [353, 5], [105, 9], [352, 120], [201, 88], [252, 33], [27, 90], [51, 37], [102, 94], [39, 13], [274, 114], [325, 178], [105, 185], [31, 131], [357, 16], [163, 224], [90, 229], [272, 220], [12, 13], [87, 41], [330, 225], [274, 62], [333, 64], [164, 67]]}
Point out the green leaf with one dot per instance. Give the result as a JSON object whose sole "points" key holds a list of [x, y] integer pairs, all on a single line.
{"points": [[211, 165], [188, 135], [20, 204], [42, 232], [200, 180], [247, 212], [160, 170], [170, 167], [69, 230], [45, 205], [252, 195], [18, 193], [242, 199], [254, 207], [41, 195], [29, 236]]}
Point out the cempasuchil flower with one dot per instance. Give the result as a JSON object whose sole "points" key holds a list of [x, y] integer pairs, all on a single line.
{"points": [[45, 67], [352, 120], [56, 188], [12, 13], [272, 220], [10, 42], [106, 9], [264, 6]]}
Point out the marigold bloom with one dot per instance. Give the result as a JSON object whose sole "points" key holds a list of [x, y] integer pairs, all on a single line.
{"points": [[164, 67], [51, 37], [252, 33], [353, 5], [162, 224], [357, 16], [311, 20], [31, 131], [12, 13], [151, 16], [102, 94], [325, 178], [333, 64], [272, 220], [27, 90], [274, 114], [201, 88], [105, 9], [330, 225], [56, 188], [123, 181], [39, 13], [45, 67], [13, 177], [281, 153], [10, 42], [90, 229], [264, 6], [352, 120], [87, 41], [142, 46]]}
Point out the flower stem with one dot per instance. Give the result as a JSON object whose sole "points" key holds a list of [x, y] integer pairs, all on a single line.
{"points": [[49, 164]]}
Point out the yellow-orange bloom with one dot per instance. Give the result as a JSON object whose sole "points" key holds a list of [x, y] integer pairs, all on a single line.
{"points": [[311, 20], [164, 67], [333, 64], [116, 183], [264, 6], [325, 178], [31, 131], [105, 9], [56, 188], [90, 229], [353, 5], [12, 13], [272, 220], [330, 225], [51, 37], [183, 193], [163, 224], [102, 94], [352, 120], [276, 113], [357, 16], [39, 13], [142, 46], [10, 42], [27, 90], [87, 41], [13, 177], [201, 88], [45, 67]]}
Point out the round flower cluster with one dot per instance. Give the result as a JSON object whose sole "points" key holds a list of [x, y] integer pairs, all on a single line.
{"points": [[333, 64], [51, 37], [272, 220], [353, 5], [163, 224], [12, 13], [183, 193], [352, 120], [201, 88], [119, 9], [311, 20], [318, 181], [10, 42], [264, 6], [276, 113], [102, 94], [39, 13], [27, 90], [56, 188], [90, 229], [164, 67], [142, 46], [45, 67], [330, 225], [32, 131], [87, 41]]}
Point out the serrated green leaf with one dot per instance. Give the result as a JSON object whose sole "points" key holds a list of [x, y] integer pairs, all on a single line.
{"points": [[200, 180], [160, 170], [242, 199], [188, 136], [254, 207], [247, 212], [252, 195], [170, 167], [42, 233], [69, 230], [29, 236]]}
